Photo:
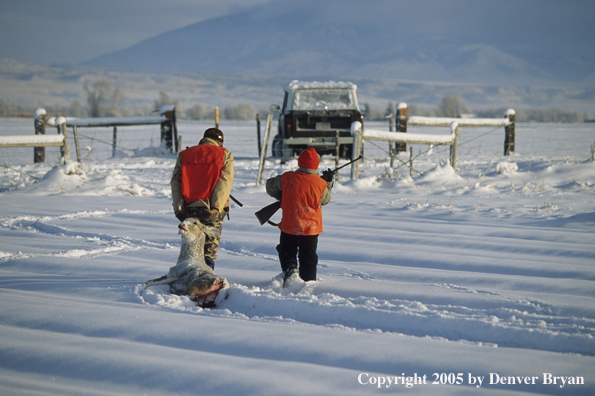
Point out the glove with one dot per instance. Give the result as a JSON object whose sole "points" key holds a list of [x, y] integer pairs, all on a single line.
{"points": [[180, 211], [181, 215], [208, 215], [328, 175]]}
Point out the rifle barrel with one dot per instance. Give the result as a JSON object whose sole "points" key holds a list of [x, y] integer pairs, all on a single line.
{"points": [[349, 163], [236, 201]]}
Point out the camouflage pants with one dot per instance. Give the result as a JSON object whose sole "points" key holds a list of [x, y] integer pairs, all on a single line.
{"points": [[211, 244]]}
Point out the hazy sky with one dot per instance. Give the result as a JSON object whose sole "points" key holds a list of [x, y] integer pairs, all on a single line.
{"points": [[71, 31]]}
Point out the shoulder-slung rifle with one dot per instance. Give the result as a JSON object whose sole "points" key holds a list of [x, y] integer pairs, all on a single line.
{"points": [[264, 214]]}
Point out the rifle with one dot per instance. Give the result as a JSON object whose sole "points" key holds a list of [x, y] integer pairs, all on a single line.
{"points": [[236, 201], [264, 214]]}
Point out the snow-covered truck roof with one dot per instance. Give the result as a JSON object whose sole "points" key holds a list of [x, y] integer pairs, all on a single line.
{"points": [[295, 84]]}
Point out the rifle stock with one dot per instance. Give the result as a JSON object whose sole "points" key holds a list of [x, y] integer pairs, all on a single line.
{"points": [[264, 214]]}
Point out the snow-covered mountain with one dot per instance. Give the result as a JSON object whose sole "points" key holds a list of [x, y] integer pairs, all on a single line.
{"points": [[528, 41]]}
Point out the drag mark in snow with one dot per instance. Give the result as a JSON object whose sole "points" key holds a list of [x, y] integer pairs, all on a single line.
{"points": [[238, 251], [466, 289], [502, 322], [513, 324], [104, 244], [349, 273]]}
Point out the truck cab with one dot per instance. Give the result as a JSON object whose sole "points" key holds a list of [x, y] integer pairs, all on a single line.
{"points": [[311, 115]]}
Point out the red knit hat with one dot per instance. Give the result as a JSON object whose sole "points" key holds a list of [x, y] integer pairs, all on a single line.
{"points": [[309, 159]]}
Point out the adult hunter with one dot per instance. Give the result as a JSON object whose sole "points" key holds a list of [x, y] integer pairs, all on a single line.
{"points": [[201, 184]]}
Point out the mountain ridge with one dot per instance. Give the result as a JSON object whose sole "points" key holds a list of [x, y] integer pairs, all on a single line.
{"points": [[349, 40], [41, 85]]}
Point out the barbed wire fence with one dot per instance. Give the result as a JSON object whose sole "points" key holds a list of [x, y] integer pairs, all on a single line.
{"points": [[96, 143]]}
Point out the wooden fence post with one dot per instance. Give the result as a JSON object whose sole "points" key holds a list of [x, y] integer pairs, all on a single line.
{"points": [[264, 150], [39, 152], [356, 131], [65, 149], [258, 138], [167, 126], [114, 141], [165, 133], [509, 147], [391, 122], [401, 125], [175, 130], [77, 145], [454, 128], [392, 146], [337, 153]]}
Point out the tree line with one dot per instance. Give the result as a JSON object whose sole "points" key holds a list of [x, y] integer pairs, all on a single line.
{"points": [[453, 107], [103, 100]]}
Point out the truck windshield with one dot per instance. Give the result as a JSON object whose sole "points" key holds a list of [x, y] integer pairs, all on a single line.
{"points": [[322, 99]]}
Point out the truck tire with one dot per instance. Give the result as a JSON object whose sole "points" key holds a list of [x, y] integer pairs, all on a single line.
{"points": [[280, 150]]}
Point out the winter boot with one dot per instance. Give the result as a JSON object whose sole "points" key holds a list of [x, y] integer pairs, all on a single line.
{"points": [[287, 260], [291, 275], [210, 263]]}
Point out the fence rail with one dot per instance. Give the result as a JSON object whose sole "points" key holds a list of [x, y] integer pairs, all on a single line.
{"points": [[110, 121], [463, 122], [32, 141], [402, 137], [360, 134], [40, 141], [508, 122], [166, 119]]}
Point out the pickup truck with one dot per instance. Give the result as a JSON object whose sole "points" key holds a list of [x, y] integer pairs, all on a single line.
{"points": [[311, 115]]}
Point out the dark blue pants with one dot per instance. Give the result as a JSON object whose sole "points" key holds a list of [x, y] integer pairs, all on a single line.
{"points": [[303, 246]]}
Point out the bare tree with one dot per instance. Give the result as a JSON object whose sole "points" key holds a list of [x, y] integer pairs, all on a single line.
{"points": [[243, 111], [77, 109], [390, 109], [6, 108], [200, 112], [452, 106], [116, 100], [164, 99], [103, 100]]}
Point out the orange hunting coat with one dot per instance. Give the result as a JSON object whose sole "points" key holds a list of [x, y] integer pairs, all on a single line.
{"points": [[202, 177], [302, 194]]}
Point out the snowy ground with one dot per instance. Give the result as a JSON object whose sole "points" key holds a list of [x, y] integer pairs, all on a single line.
{"points": [[484, 275]]}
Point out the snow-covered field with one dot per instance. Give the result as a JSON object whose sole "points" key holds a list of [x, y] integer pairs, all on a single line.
{"points": [[480, 282]]}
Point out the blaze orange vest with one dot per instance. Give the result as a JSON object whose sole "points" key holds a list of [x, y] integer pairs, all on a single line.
{"points": [[201, 170], [300, 201]]}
